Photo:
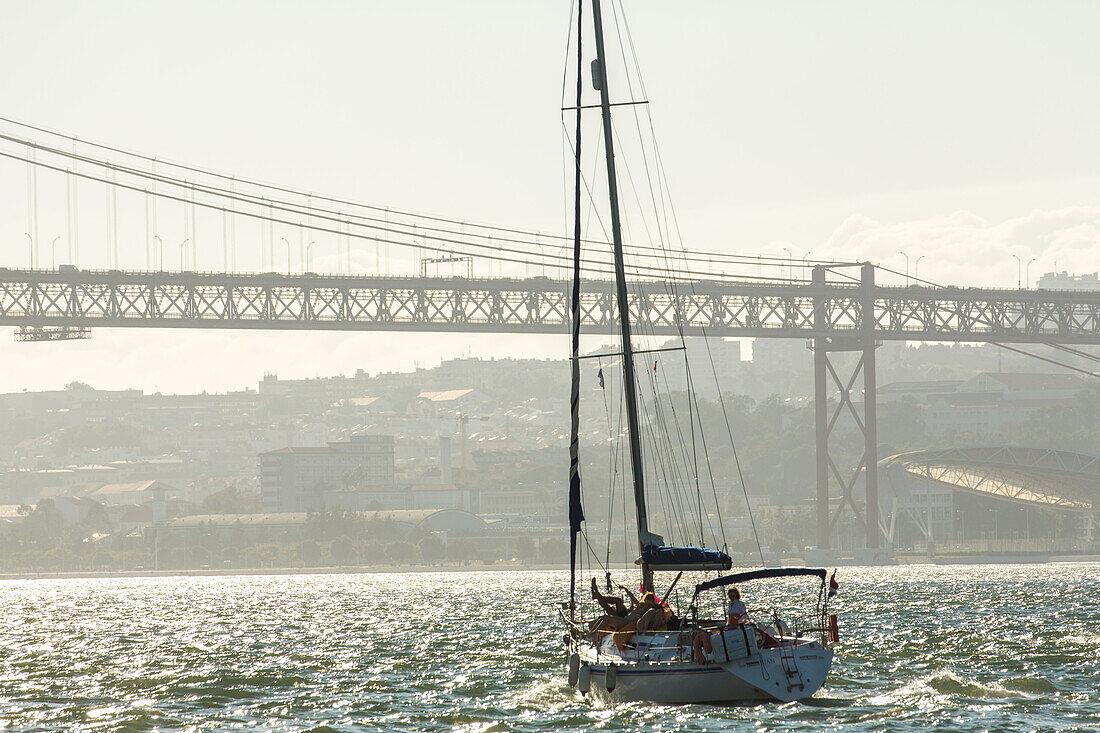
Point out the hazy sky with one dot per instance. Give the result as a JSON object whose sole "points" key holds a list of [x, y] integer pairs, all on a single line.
{"points": [[961, 131]]}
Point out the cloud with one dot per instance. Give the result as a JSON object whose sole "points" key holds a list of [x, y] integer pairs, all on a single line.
{"points": [[964, 249]]}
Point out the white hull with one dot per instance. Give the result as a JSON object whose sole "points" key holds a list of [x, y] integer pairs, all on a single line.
{"points": [[794, 672]]}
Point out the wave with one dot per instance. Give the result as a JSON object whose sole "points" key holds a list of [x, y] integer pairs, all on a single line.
{"points": [[948, 683]]}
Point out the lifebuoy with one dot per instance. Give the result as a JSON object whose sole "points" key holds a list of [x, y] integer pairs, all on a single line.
{"points": [[702, 644]]}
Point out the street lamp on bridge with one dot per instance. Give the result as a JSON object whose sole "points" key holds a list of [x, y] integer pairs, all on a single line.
{"points": [[906, 256], [53, 251], [1026, 280], [287, 243]]}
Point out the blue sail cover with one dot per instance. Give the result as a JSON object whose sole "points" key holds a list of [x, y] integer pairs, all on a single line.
{"points": [[684, 558]]}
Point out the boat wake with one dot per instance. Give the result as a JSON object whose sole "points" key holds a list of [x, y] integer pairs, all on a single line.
{"points": [[946, 684]]}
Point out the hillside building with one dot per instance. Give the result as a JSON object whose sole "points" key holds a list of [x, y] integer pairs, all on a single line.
{"points": [[295, 479], [993, 401]]}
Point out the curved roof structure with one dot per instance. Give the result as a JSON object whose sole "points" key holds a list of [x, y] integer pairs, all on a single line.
{"points": [[1057, 479]]}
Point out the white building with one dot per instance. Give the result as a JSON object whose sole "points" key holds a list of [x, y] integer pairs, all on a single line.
{"points": [[295, 479], [1064, 281]]}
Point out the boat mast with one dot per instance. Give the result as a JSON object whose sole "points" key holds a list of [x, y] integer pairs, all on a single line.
{"points": [[600, 76]]}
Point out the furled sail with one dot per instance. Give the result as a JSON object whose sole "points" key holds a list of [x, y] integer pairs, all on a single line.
{"points": [[659, 557], [576, 510]]}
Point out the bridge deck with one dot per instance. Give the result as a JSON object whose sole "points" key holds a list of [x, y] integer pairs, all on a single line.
{"points": [[539, 305]]}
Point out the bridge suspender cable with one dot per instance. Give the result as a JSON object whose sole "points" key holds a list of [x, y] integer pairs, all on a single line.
{"points": [[691, 255], [525, 256]]}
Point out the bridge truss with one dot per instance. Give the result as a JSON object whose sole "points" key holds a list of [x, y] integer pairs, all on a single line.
{"points": [[840, 312]]}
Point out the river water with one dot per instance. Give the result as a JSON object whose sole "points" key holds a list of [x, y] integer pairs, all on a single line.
{"points": [[964, 648]]}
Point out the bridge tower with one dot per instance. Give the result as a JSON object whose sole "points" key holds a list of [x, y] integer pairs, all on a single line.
{"points": [[862, 341]]}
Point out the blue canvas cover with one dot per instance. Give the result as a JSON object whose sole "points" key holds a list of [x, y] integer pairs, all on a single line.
{"points": [[685, 558], [758, 574]]}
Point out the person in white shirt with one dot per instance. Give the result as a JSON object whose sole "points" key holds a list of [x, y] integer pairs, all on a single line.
{"points": [[736, 612]]}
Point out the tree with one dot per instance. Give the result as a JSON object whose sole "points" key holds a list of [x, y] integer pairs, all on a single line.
{"points": [[743, 544], [431, 549], [230, 500], [199, 555], [44, 526], [251, 558], [554, 550], [524, 548], [372, 552], [461, 550], [309, 553], [781, 545], [342, 550], [271, 556], [402, 553], [230, 555], [173, 558]]}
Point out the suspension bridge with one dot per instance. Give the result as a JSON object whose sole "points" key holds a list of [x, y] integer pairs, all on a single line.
{"points": [[388, 274]]}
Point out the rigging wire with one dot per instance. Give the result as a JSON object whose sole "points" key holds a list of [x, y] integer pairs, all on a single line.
{"points": [[663, 183], [1045, 359], [1076, 352]]}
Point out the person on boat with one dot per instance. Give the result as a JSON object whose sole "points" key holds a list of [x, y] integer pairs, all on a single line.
{"points": [[736, 611], [655, 616], [611, 605], [647, 615]]}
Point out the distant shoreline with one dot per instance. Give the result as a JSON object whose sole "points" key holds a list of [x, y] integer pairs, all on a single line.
{"points": [[472, 568], [227, 572]]}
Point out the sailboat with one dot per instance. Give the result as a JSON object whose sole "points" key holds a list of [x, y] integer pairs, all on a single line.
{"points": [[679, 655]]}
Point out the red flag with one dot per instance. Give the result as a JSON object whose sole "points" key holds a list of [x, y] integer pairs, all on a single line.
{"points": [[654, 367], [834, 587]]}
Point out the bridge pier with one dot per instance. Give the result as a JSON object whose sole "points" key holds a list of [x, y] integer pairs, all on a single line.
{"points": [[865, 419], [870, 406], [821, 408]]}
